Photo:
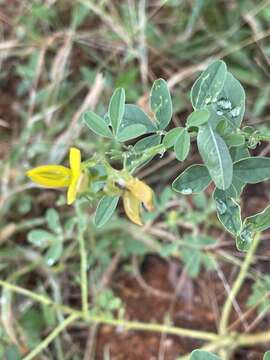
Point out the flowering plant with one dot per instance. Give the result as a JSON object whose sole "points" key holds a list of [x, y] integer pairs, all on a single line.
{"points": [[218, 100]]}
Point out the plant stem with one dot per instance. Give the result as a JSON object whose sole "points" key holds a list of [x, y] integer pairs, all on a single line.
{"points": [[84, 282], [114, 322], [37, 297], [146, 155], [43, 345], [135, 325], [216, 341], [226, 311], [237, 285]]}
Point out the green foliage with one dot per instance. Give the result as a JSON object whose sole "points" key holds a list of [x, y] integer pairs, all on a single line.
{"points": [[252, 170], [12, 353], [40, 238], [53, 221], [193, 180], [51, 71], [234, 139], [147, 142], [266, 355], [96, 124], [117, 108], [51, 240], [203, 355], [135, 123], [208, 86], [161, 103], [216, 156], [198, 117], [228, 211], [170, 138], [259, 296], [219, 104], [231, 103], [182, 145], [193, 252], [259, 222], [107, 303], [252, 224], [105, 209]]}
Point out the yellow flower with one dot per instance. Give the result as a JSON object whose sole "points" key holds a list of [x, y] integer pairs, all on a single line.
{"points": [[58, 176], [135, 193]]}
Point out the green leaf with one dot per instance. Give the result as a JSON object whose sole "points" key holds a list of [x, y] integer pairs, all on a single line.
{"points": [[199, 241], [171, 137], [131, 132], [208, 86], [238, 153], [182, 145], [203, 355], [234, 140], [140, 146], [198, 117], [231, 102], [216, 156], [260, 221], [245, 238], [228, 211], [95, 123], [12, 353], [105, 209], [147, 142], [53, 221], [192, 261], [193, 180], [117, 108], [54, 252], [40, 238], [221, 127], [161, 103], [266, 355], [259, 295], [252, 170], [133, 115], [217, 122], [209, 261]]}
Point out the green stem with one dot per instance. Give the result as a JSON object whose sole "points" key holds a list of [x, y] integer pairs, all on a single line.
{"points": [[216, 341], [253, 339], [237, 286], [44, 344], [146, 155], [113, 322], [39, 298], [84, 282], [135, 325]]}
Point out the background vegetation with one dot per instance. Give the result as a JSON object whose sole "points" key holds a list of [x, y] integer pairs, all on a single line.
{"points": [[60, 58]]}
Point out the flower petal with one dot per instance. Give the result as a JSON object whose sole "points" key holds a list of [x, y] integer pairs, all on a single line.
{"points": [[72, 190], [132, 207], [142, 192], [75, 166], [75, 161], [52, 176]]}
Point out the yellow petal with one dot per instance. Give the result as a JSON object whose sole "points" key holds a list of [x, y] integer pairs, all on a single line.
{"points": [[142, 192], [132, 207], [75, 161], [75, 166], [72, 191], [52, 176]]}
